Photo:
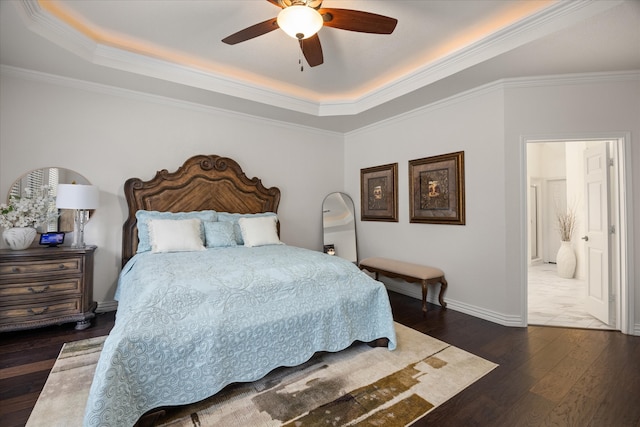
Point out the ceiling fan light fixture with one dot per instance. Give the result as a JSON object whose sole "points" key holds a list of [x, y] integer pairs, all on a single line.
{"points": [[300, 22]]}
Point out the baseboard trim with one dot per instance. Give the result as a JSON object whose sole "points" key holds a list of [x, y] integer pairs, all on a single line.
{"points": [[106, 306], [415, 290]]}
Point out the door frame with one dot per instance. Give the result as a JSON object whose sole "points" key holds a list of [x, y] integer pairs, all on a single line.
{"points": [[535, 188], [622, 256]]}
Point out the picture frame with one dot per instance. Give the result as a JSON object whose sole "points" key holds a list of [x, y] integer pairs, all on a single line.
{"points": [[436, 189], [379, 193]]}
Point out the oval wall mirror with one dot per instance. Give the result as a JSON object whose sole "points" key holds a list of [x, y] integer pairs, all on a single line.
{"points": [[339, 226], [52, 176]]}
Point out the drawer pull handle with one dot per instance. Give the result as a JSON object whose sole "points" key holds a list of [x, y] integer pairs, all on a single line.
{"points": [[61, 266], [40, 311], [15, 269], [39, 291]]}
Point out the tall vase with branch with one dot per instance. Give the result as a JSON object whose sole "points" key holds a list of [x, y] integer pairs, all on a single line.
{"points": [[566, 224], [566, 257]]}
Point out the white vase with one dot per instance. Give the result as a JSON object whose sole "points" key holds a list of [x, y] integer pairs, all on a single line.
{"points": [[566, 261], [18, 238]]}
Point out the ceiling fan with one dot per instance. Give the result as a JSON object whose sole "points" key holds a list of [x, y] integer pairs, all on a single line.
{"points": [[302, 19]]}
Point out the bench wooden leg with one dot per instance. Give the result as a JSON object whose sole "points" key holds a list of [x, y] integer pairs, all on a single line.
{"points": [[443, 287], [425, 286]]}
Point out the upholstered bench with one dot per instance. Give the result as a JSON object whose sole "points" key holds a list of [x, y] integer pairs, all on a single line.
{"points": [[414, 273]]}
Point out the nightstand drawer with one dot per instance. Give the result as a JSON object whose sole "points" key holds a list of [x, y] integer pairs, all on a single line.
{"points": [[25, 268], [36, 289], [41, 311]]}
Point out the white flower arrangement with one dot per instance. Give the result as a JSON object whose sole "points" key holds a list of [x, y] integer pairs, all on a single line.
{"points": [[29, 210]]}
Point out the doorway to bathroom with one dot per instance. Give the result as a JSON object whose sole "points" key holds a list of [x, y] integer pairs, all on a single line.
{"points": [[573, 207]]}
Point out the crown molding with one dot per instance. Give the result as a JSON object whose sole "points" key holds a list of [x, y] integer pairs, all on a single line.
{"points": [[37, 76], [200, 79], [557, 16], [510, 83], [52, 29], [571, 79], [498, 85]]}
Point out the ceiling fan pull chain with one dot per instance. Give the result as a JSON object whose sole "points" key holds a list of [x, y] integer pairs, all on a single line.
{"points": [[300, 57]]}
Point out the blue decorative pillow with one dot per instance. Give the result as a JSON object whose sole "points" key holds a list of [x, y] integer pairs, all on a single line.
{"points": [[219, 234], [143, 217], [234, 217]]}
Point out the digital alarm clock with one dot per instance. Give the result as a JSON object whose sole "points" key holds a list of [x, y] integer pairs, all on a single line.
{"points": [[52, 239]]}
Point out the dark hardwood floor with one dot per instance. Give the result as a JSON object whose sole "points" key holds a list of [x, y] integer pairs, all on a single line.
{"points": [[26, 357], [547, 376]]}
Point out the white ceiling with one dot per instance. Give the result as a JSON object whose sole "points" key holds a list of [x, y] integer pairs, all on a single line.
{"points": [[439, 48]]}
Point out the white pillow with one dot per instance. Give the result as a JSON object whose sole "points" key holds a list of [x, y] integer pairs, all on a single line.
{"points": [[234, 217], [175, 235], [143, 217], [259, 231]]}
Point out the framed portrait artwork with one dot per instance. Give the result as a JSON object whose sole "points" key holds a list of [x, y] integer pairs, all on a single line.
{"points": [[379, 193], [436, 189]]}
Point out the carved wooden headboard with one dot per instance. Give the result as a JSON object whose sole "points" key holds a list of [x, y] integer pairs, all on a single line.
{"points": [[201, 183]]}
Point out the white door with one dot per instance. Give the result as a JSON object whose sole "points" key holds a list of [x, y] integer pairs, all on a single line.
{"points": [[597, 231]]}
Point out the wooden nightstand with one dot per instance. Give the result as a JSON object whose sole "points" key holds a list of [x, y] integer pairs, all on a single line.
{"points": [[46, 286]]}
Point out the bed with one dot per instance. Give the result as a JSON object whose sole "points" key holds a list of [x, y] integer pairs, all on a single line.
{"points": [[202, 307]]}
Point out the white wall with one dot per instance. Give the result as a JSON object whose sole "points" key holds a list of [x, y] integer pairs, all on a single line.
{"points": [[473, 255], [484, 260], [110, 135]]}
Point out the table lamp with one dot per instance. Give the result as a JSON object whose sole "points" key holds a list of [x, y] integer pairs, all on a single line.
{"points": [[81, 198]]}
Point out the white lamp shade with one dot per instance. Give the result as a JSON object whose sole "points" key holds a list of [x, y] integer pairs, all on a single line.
{"points": [[300, 22], [77, 196]]}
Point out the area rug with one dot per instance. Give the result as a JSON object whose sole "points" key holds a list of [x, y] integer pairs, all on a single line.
{"points": [[357, 386]]}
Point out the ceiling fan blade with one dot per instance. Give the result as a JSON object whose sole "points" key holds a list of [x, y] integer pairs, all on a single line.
{"points": [[356, 20], [312, 50], [252, 32], [276, 2]]}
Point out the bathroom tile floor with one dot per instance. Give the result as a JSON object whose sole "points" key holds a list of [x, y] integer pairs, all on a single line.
{"points": [[554, 301]]}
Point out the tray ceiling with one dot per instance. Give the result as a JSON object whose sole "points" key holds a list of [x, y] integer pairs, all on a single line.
{"points": [[438, 47]]}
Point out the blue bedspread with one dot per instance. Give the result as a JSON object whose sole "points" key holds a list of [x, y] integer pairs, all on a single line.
{"points": [[190, 323]]}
